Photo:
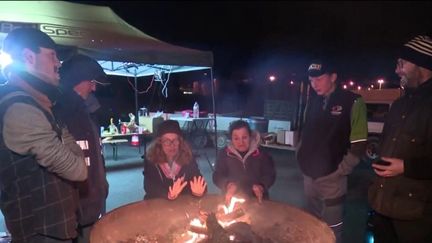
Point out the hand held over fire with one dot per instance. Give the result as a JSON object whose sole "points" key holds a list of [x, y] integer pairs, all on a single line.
{"points": [[176, 188], [198, 186], [258, 191], [231, 189]]}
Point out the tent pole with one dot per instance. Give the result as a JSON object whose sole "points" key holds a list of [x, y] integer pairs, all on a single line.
{"points": [[214, 111], [136, 95]]}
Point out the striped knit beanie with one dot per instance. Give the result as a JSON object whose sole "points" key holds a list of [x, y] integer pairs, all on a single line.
{"points": [[418, 51]]}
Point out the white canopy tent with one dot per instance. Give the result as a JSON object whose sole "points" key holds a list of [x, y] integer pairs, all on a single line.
{"points": [[98, 32]]}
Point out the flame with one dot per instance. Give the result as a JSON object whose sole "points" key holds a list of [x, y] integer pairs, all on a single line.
{"points": [[196, 237], [197, 223], [232, 204]]}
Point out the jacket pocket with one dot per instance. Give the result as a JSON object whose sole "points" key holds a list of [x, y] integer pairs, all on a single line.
{"points": [[399, 198]]}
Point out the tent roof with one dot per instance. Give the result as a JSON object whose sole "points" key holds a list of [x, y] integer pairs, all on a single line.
{"points": [[98, 32]]}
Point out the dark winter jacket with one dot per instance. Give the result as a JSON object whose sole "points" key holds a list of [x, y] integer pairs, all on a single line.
{"points": [[407, 135], [329, 132], [39, 160], [256, 167], [156, 184], [94, 190]]}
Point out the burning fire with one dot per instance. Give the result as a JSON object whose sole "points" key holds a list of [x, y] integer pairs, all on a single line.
{"points": [[200, 225], [195, 236]]}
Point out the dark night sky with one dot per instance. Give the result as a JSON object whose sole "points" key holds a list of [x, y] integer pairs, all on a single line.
{"points": [[256, 38]]}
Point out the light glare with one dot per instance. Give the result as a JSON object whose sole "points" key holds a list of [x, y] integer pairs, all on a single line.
{"points": [[5, 59]]}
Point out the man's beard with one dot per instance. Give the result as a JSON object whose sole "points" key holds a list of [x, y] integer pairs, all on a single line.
{"points": [[403, 82]]}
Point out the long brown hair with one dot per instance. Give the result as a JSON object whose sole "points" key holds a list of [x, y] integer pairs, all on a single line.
{"points": [[156, 155]]}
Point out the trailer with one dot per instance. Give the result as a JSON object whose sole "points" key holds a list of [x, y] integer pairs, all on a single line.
{"points": [[378, 103]]}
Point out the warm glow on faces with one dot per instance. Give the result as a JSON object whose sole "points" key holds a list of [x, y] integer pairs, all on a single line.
{"points": [[240, 139], [84, 88], [44, 65], [409, 73], [170, 145], [324, 84]]}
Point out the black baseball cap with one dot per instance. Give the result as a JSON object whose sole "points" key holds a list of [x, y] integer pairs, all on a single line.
{"points": [[30, 38], [79, 68], [319, 67]]}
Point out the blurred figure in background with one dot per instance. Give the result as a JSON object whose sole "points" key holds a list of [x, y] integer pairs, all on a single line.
{"points": [[242, 167], [401, 194], [170, 169], [79, 77]]}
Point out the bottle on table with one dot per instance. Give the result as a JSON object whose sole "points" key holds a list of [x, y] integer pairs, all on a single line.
{"points": [[195, 110]]}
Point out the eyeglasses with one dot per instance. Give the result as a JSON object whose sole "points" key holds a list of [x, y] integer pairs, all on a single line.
{"points": [[169, 142]]}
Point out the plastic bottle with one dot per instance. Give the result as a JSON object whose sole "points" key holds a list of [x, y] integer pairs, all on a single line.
{"points": [[144, 112], [195, 110]]}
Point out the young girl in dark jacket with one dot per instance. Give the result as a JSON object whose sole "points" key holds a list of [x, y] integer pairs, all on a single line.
{"points": [[242, 166]]}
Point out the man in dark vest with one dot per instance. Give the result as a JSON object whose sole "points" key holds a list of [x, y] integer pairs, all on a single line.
{"points": [[79, 76], [39, 159], [332, 141], [401, 194]]}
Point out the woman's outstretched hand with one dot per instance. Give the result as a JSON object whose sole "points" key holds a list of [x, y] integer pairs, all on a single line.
{"points": [[198, 186], [176, 188]]}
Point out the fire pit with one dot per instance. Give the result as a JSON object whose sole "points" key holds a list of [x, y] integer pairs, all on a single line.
{"points": [[160, 220]]}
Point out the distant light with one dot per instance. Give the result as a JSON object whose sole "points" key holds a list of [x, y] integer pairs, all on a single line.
{"points": [[359, 87], [272, 78], [345, 86], [372, 86], [380, 82], [291, 82], [369, 89], [187, 92], [5, 59], [351, 83]]}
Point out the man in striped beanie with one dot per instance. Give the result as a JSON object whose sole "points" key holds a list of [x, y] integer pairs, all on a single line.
{"points": [[401, 194]]}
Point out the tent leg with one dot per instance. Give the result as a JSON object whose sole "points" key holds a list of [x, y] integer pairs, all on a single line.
{"points": [[214, 111], [136, 96]]}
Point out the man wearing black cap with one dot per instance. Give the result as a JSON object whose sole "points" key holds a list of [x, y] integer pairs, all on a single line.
{"points": [[79, 76], [332, 141], [39, 159], [401, 194]]}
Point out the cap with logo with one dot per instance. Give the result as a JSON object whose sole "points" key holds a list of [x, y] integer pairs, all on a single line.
{"points": [[319, 67]]}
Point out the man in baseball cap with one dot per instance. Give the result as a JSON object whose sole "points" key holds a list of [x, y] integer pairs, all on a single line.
{"points": [[39, 158], [82, 74], [79, 77], [333, 140], [21, 43]]}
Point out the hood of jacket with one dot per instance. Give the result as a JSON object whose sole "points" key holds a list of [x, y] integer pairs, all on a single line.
{"points": [[255, 140]]}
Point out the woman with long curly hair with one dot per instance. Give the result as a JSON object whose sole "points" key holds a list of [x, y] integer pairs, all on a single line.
{"points": [[169, 166]]}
